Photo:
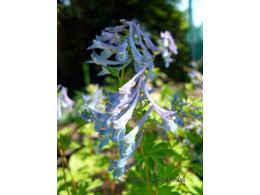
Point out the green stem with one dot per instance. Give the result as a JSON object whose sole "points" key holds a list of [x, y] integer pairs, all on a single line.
{"points": [[146, 170], [65, 164], [64, 176], [122, 75]]}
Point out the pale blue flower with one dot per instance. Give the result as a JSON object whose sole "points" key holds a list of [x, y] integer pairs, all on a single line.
{"points": [[102, 45], [198, 131], [137, 66], [166, 116], [167, 47], [116, 98], [138, 57], [104, 136], [125, 89], [147, 40], [120, 123], [64, 103], [131, 96], [104, 140], [150, 71], [191, 126], [145, 50], [107, 53], [169, 124], [162, 112], [127, 145], [93, 100], [119, 166], [121, 56], [103, 72], [197, 80], [105, 36], [101, 61], [169, 42]]}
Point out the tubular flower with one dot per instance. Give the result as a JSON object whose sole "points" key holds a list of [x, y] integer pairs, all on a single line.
{"points": [[93, 100], [119, 166], [127, 145], [166, 116], [64, 103], [125, 89], [120, 123]]}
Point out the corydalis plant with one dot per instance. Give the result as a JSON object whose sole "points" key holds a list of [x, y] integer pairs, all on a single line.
{"points": [[167, 47], [64, 103], [120, 45]]}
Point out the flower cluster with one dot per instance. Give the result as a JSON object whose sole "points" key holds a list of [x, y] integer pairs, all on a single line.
{"points": [[197, 80], [120, 46], [64, 103], [95, 99], [167, 47], [185, 110], [126, 42], [196, 76]]}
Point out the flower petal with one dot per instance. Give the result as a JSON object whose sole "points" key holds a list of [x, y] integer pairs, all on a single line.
{"points": [[162, 112], [122, 119], [136, 54], [101, 61], [102, 45], [125, 89], [169, 124]]}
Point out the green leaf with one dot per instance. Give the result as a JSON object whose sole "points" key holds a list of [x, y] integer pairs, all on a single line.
{"points": [[166, 90], [148, 147], [167, 190], [158, 154], [160, 146], [168, 169], [150, 138], [94, 184], [150, 163], [64, 140], [113, 71], [198, 168], [159, 161], [75, 145]]}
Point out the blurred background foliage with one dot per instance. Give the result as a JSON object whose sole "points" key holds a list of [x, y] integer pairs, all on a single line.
{"points": [[79, 22]]}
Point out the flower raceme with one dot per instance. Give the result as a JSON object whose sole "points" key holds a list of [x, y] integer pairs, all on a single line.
{"points": [[167, 47], [121, 45]]}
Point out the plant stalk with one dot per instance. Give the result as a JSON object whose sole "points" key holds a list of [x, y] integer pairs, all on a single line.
{"points": [[64, 162], [64, 176], [146, 170], [122, 75]]}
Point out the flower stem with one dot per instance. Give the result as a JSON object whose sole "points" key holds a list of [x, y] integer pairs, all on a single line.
{"points": [[64, 176], [146, 170], [122, 75], [65, 163]]}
